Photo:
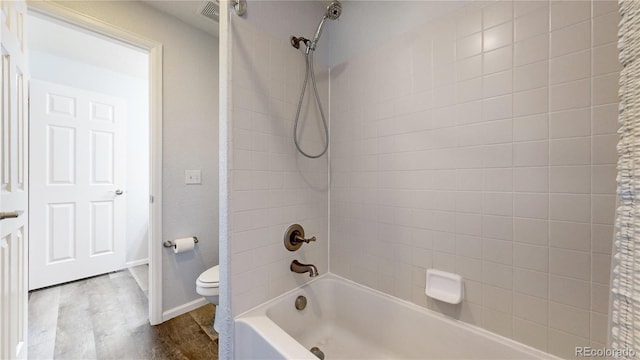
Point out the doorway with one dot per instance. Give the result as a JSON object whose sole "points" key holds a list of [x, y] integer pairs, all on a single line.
{"points": [[89, 152]]}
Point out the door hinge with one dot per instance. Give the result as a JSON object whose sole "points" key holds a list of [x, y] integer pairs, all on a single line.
{"points": [[151, 199]]}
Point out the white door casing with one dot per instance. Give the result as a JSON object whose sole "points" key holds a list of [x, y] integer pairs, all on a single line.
{"points": [[13, 181], [77, 174]]}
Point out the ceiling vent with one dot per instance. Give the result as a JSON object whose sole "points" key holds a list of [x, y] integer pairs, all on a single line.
{"points": [[210, 10]]}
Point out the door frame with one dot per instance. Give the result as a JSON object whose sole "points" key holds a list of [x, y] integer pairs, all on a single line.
{"points": [[154, 241]]}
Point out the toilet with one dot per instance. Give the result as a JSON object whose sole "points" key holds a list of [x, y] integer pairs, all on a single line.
{"points": [[208, 285]]}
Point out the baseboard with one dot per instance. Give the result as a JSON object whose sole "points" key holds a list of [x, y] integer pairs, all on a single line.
{"points": [[183, 309], [129, 264]]}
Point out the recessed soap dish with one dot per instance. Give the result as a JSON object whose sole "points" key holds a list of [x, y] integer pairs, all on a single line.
{"points": [[444, 286]]}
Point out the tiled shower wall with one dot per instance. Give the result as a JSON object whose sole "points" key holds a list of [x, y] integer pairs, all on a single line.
{"points": [[484, 144], [270, 185]]}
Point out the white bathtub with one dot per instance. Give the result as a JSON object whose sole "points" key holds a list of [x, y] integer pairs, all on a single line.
{"points": [[348, 321]]}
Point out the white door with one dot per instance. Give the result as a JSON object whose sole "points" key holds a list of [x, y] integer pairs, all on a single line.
{"points": [[77, 173], [13, 182]]}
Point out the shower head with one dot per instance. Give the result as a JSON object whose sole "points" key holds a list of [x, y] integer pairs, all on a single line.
{"points": [[333, 12]]}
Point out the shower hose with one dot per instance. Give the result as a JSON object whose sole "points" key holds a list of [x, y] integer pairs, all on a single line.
{"points": [[309, 61]]}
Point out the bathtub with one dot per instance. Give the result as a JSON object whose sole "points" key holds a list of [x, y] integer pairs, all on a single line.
{"points": [[348, 321]]}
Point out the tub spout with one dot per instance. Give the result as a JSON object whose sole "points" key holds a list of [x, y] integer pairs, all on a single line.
{"points": [[300, 268]]}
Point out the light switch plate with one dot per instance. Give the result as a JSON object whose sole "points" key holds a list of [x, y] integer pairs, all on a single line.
{"points": [[192, 177]]}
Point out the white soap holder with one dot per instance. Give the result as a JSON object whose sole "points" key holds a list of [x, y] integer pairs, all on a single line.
{"points": [[444, 286]]}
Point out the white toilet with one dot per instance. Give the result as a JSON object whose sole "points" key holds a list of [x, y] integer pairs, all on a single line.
{"points": [[208, 285]]}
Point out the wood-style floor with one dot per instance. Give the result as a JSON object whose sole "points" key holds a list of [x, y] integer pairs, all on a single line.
{"points": [[105, 317]]}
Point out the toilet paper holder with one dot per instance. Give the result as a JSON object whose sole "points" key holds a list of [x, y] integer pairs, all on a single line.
{"points": [[171, 243]]}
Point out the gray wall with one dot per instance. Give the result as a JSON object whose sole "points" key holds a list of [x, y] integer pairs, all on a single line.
{"points": [[190, 136]]}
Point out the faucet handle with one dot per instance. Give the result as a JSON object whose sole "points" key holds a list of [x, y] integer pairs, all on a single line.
{"points": [[294, 237], [300, 239]]}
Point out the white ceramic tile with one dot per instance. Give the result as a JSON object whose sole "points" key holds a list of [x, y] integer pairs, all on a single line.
{"points": [[497, 251], [533, 127], [497, 37], [599, 327], [603, 179], [601, 268], [570, 263], [469, 269], [444, 51], [571, 95], [497, 179], [497, 299], [469, 68], [497, 84], [532, 50], [535, 206], [604, 119], [569, 291], [498, 275], [526, 6], [605, 59], [532, 283], [605, 28], [495, 156], [529, 333], [470, 224], [570, 235], [497, 322], [469, 24], [469, 179], [531, 76], [600, 298], [570, 207], [497, 13], [469, 202], [531, 231], [570, 123], [570, 179], [469, 90], [533, 153], [531, 102], [574, 151], [565, 13], [603, 209], [569, 319], [469, 46], [497, 108], [531, 257], [498, 60], [444, 74], [564, 344], [530, 308], [605, 89], [570, 39], [531, 179], [469, 246], [532, 24], [601, 238], [497, 203], [574, 66]]}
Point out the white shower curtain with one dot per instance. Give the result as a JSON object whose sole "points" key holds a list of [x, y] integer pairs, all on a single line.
{"points": [[625, 309]]}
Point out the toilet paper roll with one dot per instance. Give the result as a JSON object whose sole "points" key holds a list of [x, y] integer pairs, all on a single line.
{"points": [[183, 245]]}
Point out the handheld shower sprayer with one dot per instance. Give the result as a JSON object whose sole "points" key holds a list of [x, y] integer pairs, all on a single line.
{"points": [[333, 12]]}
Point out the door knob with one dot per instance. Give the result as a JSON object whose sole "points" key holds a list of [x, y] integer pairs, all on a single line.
{"points": [[119, 192], [10, 214]]}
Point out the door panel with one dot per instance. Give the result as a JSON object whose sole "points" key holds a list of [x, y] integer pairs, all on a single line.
{"points": [[13, 179], [78, 163]]}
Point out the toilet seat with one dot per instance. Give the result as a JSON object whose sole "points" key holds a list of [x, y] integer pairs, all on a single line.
{"points": [[209, 278], [208, 284]]}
